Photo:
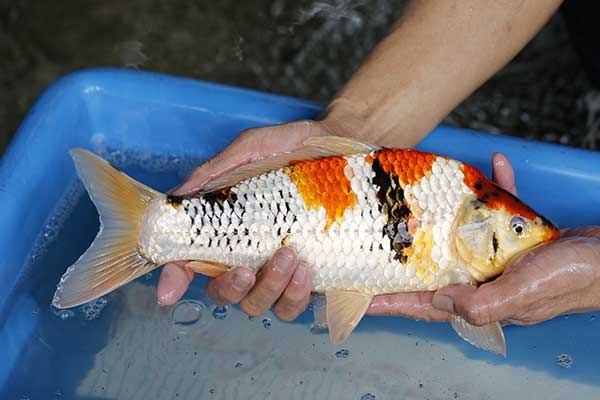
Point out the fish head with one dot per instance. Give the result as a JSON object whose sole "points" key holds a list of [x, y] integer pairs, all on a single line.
{"points": [[491, 230]]}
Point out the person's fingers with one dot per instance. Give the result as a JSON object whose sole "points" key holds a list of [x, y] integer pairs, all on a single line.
{"points": [[250, 146], [271, 282], [478, 306], [172, 284], [231, 287], [503, 173], [296, 296], [412, 305]]}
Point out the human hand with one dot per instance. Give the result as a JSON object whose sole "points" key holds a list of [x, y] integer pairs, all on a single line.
{"points": [[285, 281], [550, 280]]}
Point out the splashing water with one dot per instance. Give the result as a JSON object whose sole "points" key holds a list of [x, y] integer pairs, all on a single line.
{"points": [[131, 53]]}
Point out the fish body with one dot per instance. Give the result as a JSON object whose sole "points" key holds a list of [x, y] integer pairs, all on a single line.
{"points": [[373, 221], [354, 232]]}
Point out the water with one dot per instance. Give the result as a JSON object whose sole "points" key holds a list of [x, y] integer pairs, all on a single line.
{"points": [[124, 345]]}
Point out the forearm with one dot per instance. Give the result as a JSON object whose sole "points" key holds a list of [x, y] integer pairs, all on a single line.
{"points": [[436, 55]]}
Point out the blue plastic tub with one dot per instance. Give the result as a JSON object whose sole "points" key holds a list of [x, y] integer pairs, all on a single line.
{"points": [[156, 128]]}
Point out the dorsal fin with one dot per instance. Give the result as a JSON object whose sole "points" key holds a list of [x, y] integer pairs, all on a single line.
{"points": [[340, 145], [313, 148]]}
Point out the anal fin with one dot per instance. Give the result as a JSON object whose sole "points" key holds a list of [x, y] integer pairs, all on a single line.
{"points": [[345, 309], [208, 268], [487, 337]]}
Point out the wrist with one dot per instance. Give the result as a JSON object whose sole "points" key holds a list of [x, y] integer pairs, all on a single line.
{"points": [[385, 117], [343, 117]]}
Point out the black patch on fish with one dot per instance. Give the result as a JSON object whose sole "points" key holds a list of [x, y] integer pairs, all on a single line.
{"points": [[381, 180], [393, 205], [175, 200], [219, 197], [495, 243]]}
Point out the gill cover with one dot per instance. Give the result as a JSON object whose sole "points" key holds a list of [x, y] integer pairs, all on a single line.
{"points": [[476, 240]]}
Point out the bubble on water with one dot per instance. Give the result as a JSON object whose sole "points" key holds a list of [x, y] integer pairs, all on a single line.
{"points": [[93, 309], [35, 311], [58, 394], [251, 318], [367, 396], [343, 353], [266, 322], [238, 365], [148, 276], [188, 312], [118, 158], [564, 361], [592, 318], [23, 397], [62, 314], [220, 312], [149, 162], [64, 207]]}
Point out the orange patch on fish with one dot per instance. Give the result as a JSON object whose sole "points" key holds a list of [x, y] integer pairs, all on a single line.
{"points": [[408, 165], [323, 183], [492, 195]]}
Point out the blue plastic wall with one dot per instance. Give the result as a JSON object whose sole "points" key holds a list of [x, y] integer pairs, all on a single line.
{"points": [[158, 114]]}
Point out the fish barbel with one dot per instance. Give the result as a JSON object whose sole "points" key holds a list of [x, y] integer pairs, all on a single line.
{"points": [[368, 220]]}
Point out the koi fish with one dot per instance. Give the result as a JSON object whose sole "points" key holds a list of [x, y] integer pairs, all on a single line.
{"points": [[368, 220]]}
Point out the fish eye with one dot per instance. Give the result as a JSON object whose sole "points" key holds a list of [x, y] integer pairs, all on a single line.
{"points": [[518, 225]]}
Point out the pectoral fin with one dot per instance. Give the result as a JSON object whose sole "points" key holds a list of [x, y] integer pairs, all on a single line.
{"points": [[345, 309], [208, 268], [488, 337]]}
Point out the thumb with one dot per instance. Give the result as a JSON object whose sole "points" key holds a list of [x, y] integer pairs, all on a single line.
{"points": [[250, 146], [478, 306], [503, 173]]}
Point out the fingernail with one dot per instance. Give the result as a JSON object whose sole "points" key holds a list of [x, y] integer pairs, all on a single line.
{"points": [[242, 279], [300, 274], [284, 260], [442, 302]]}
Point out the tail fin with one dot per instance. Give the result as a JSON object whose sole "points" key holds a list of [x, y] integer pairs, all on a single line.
{"points": [[113, 259]]}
